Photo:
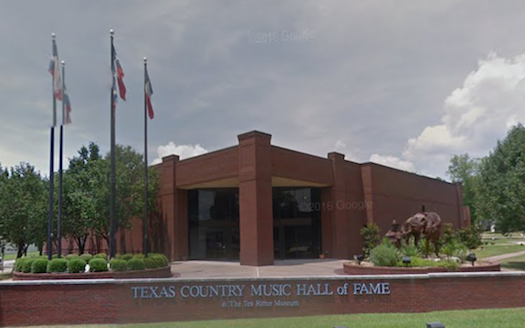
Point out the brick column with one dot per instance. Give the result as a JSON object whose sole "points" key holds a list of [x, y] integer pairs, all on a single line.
{"points": [[255, 199], [340, 233], [173, 207], [368, 195], [326, 220]]}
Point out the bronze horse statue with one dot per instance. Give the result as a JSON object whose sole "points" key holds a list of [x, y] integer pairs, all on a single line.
{"points": [[427, 224]]}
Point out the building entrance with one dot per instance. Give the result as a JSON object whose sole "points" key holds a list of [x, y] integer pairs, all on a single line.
{"points": [[297, 223], [214, 224]]}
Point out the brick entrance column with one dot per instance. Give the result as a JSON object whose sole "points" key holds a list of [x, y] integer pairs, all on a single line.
{"points": [[174, 211], [339, 215], [255, 199]]}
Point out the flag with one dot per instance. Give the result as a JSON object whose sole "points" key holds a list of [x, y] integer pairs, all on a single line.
{"points": [[54, 69], [118, 75], [67, 108], [148, 91]]}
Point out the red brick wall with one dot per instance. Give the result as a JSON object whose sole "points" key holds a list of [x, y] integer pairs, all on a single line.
{"points": [[110, 301], [212, 166], [397, 195], [291, 164]]}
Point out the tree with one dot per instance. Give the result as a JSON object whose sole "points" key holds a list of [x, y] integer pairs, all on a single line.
{"points": [[80, 183], [501, 188], [464, 169], [89, 184], [22, 207]]}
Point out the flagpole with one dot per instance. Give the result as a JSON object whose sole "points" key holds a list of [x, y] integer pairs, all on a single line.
{"points": [[112, 208], [60, 166], [145, 222], [51, 166]]}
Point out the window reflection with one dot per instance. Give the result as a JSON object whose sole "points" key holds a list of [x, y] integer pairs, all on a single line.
{"points": [[297, 227], [214, 224]]}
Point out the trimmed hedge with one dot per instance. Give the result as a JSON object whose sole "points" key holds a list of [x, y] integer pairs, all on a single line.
{"points": [[57, 265], [98, 265], [27, 263], [125, 257], [72, 256], [136, 264], [101, 256], [118, 265], [19, 264], [76, 265], [150, 263], [160, 259], [86, 257], [39, 265]]}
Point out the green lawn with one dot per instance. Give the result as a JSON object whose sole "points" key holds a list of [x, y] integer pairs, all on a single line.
{"points": [[514, 263], [13, 255], [501, 318], [5, 275], [493, 250]]}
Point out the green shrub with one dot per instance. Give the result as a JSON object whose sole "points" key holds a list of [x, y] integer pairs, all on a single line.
{"points": [[371, 236], [150, 263], [19, 264], [86, 257], [450, 248], [418, 262], [384, 255], [125, 257], [448, 264], [470, 237], [39, 265], [72, 256], [118, 265], [422, 244], [462, 252], [76, 265], [26, 264], [448, 233], [138, 256], [98, 265], [410, 249], [101, 256], [136, 263], [57, 265], [160, 259]]}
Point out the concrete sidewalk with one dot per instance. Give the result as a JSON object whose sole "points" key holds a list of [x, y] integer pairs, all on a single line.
{"points": [[286, 268], [504, 256]]}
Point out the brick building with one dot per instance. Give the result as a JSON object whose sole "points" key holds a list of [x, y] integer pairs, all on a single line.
{"points": [[256, 202]]}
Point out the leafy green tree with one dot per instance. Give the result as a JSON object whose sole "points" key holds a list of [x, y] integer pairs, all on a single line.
{"points": [[22, 207], [129, 188], [501, 187], [464, 169], [81, 214]]}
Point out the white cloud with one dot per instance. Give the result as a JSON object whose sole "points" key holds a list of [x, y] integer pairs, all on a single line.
{"points": [[184, 151], [394, 162], [491, 100]]}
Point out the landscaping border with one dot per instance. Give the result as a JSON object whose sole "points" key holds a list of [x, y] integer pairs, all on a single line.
{"points": [[164, 272], [352, 269], [74, 301]]}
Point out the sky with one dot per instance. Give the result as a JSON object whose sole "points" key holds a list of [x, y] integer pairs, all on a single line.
{"points": [[406, 84]]}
